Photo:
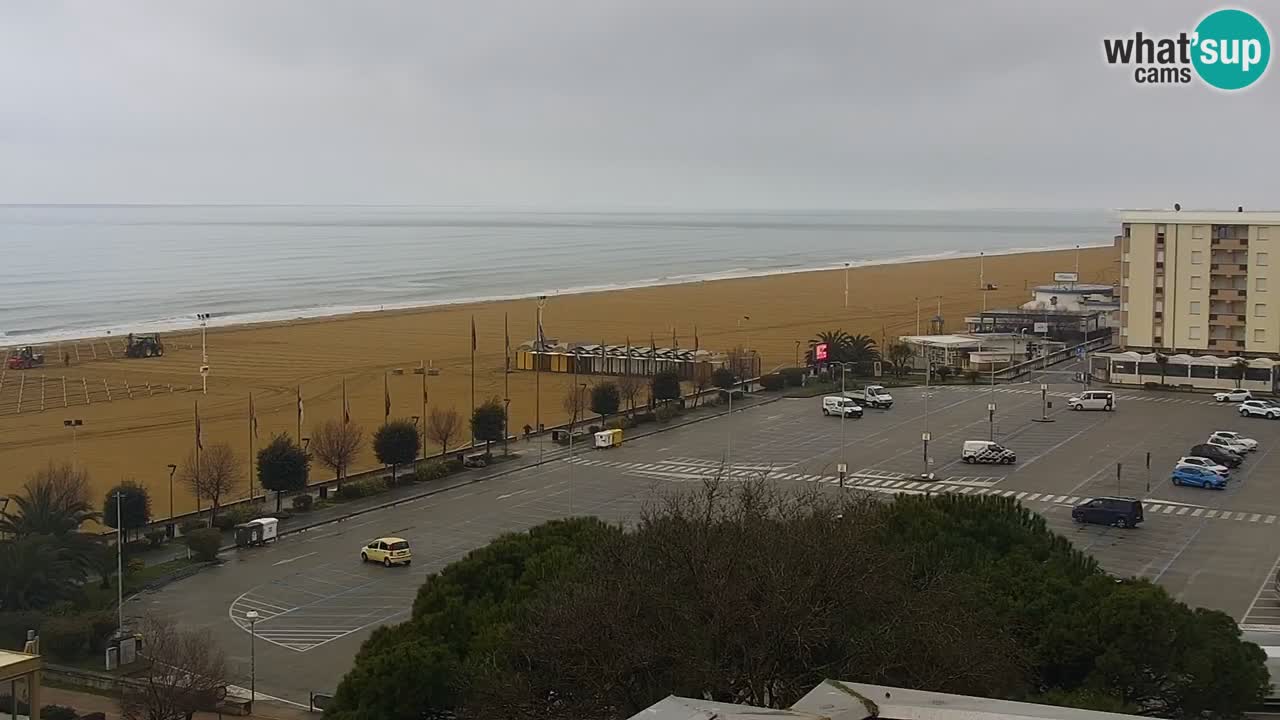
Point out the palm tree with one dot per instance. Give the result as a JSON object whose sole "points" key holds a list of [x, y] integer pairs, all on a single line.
{"points": [[837, 344], [1162, 361], [861, 349], [1238, 365], [37, 571], [55, 501]]}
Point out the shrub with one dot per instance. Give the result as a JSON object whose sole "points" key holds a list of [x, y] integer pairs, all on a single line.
{"points": [[156, 538], [430, 470], [665, 414], [190, 525], [824, 377], [135, 566], [101, 625], [58, 712], [303, 502], [971, 376], [593, 429], [361, 488], [793, 377], [14, 625], [205, 543], [772, 381], [322, 504], [620, 423], [65, 638], [453, 464], [133, 547]]}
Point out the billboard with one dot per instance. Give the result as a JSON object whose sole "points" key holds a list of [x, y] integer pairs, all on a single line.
{"points": [[820, 352], [1066, 277]]}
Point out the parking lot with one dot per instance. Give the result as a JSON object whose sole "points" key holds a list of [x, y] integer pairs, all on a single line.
{"points": [[316, 602]]}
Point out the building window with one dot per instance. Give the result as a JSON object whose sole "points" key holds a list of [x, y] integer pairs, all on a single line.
{"points": [[1260, 284], [1196, 282], [1260, 310], [1264, 233], [1159, 256], [1262, 259], [1197, 232], [1126, 230], [1197, 257], [1259, 335], [1195, 307], [1159, 307], [1193, 332]]}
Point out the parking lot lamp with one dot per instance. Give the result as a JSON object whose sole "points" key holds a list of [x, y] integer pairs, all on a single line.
{"points": [[252, 617], [844, 444]]}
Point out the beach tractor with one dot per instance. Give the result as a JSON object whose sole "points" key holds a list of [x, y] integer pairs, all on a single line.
{"points": [[25, 359], [144, 346]]}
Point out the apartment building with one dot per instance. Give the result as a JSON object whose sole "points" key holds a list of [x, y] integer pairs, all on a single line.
{"points": [[1199, 282]]}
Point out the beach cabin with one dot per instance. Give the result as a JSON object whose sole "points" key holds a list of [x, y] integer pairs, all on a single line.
{"points": [[257, 532], [608, 439]]}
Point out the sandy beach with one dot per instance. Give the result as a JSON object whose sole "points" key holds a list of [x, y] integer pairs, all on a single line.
{"points": [[144, 428]]}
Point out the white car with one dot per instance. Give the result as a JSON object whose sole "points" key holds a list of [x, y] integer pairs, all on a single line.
{"points": [[1248, 444], [1203, 463], [1260, 408], [1233, 396]]}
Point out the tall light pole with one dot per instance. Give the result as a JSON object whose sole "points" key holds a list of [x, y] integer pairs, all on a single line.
{"points": [[925, 436], [204, 352], [119, 564], [844, 444], [252, 617], [846, 285], [75, 425], [172, 469], [579, 393]]}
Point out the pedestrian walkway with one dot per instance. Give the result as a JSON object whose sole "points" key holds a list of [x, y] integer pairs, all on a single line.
{"points": [[894, 483]]}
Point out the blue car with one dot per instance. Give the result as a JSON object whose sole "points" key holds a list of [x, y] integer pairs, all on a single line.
{"points": [[1198, 477]]}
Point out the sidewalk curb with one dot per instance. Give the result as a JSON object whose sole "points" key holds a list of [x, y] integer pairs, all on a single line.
{"points": [[504, 473]]}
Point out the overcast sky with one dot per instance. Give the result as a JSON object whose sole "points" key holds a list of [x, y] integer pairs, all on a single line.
{"points": [[642, 103]]}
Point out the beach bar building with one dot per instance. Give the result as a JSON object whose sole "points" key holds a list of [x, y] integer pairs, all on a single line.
{"points": [[1199, 372], [603, 359]]}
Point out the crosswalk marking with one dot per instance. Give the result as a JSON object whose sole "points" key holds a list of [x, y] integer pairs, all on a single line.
{"points": [[1270, 519], [1211, 514], [1033, 496], [1168, 509], [1184, 511], [1197, 512], [1254, 517]]}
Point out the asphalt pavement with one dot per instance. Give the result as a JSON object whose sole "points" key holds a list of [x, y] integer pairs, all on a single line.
{"points": [[316, 602]]}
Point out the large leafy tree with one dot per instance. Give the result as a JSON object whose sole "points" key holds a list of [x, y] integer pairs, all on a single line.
{"points": [[133, 506], [900, 354], [605, 399], [397, 443], [37, 571], [283, 466], [460, 617], [54, 501], [489, 422], [666, 386]]}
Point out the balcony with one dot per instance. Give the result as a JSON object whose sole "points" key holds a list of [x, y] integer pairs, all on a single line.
{"points": [[1229, 244], [1226, 319], [1228, 294], [1229, 269], [1226, 345]]}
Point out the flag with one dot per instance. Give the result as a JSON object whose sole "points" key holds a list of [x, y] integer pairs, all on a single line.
{"points": [[300, 413], [386, 399], [675, 342], [695, 339], [253, 416], [199, 437], [473, 333], [542, 336], [346, 409], [506, 336]]}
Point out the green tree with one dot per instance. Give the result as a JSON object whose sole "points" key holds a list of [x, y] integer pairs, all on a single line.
{"points": [[836, 341], [397, 443], [723, 378], [861, 349], [488, 422], [460, 617], [1238, 367], [666, 386], [134, 507], [900, 354], [1162, 362], [54, 501], [283, 466], [37, 571], [605, 399]]}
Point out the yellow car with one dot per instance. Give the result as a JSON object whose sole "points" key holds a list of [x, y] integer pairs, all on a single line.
{"points": [[388, 551]]}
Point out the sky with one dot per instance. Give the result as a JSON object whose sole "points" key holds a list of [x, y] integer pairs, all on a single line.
{"points": [[717, 104]]}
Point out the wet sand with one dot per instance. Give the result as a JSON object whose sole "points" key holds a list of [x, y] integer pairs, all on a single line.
{"points": [[136, 438]]}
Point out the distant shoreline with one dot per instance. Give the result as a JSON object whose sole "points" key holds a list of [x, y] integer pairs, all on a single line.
{"points": [[185, 324]]}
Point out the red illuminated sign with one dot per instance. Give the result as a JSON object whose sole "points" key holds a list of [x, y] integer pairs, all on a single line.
{"points": [[820, 352]]}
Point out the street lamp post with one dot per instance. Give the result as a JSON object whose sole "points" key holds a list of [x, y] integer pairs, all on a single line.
{"points": [[991, 421], [844, 444], [846, 285], [925, 436], [204, 353], [579, 396], [119, 564], [252, 617], [172, 469], [75, 425]]}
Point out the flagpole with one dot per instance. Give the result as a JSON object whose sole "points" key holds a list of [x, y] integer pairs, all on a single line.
{"points": [[473, 380], [506, 385], [251, 422], [299, 438], [198, 479], [386, 400]]}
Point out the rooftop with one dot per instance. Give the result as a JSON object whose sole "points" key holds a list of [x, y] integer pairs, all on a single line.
{"points": [[13, 663], [1207, 217], [1077, 288], [958, 341]]}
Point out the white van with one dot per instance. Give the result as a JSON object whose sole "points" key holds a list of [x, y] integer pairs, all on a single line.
{"points": [[1093, 400], [985, 451], [836, 405]]}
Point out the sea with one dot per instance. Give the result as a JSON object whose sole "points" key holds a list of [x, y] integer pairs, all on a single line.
{"points": [[69, 271]]}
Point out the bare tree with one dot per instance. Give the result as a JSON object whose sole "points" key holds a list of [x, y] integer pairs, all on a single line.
{"points": [[185, 673], [337, 444], [575, 403], [217, 473], [701, 380], [630, 387], [443, 426]]}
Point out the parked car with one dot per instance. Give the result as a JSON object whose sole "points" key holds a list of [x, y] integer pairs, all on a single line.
{"points": [[1260, 408], [1198, 477], [1204, 464], [1249, 444], [985, 451], [1217, 453], [836, 405], [1093, 400], [1233, 396], [1125, 512], [388, 551]]}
